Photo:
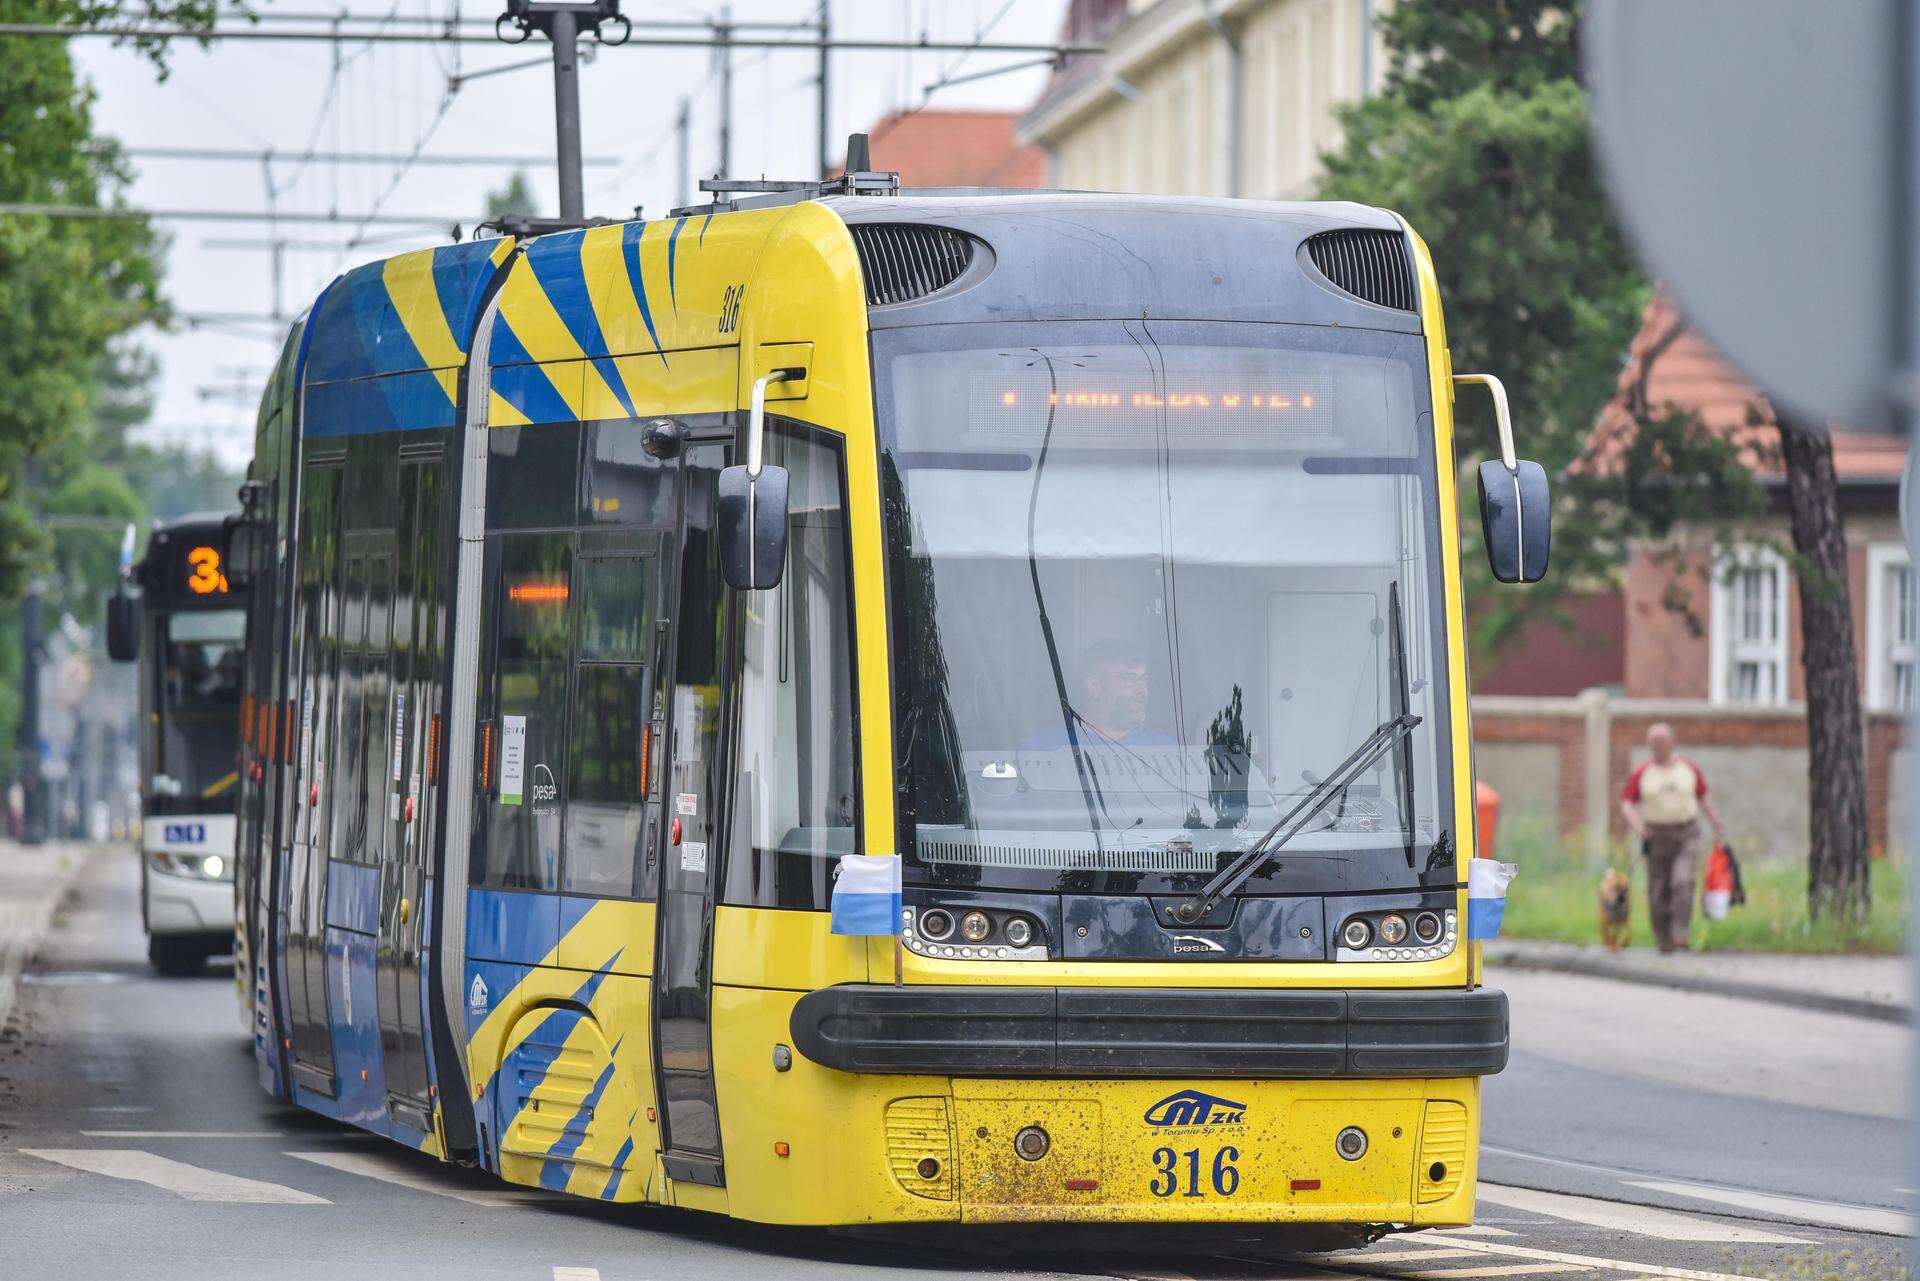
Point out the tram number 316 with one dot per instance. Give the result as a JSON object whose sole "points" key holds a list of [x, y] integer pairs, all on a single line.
{"points": [[1181, 1172]]}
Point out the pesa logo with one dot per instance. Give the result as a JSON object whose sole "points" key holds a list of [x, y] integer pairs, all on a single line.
{"points": [[1187, 1108]]}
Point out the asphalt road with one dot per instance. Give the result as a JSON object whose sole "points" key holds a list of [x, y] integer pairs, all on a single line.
{"points": [[134, 1143]]}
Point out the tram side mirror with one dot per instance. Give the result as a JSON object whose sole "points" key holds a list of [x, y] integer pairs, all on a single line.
{"points": [[752, 514], [123, 627], [1516, 517]]}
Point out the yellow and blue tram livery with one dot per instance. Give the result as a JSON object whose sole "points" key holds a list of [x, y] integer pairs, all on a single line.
{"points": [[1078, 574]]}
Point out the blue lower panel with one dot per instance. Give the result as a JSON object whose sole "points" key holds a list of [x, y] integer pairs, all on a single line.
{"points": [[359, 1075], [512, 925], [353, 897]]}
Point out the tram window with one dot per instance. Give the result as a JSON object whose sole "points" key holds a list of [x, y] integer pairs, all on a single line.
{"points": [[349, 818], [621, 484], [524, 801], [616, 607], [605, 806], [795, 813], [532, 475]]}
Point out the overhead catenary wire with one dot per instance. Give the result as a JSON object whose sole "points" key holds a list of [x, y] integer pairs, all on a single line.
{"points": [[735, 40], [487, 160], [26, 209]]}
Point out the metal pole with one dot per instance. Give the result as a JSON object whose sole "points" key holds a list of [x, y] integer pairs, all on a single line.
{"points": [[723, 35], [33, 825], [564, 33], [682, 126], [822, 102]]}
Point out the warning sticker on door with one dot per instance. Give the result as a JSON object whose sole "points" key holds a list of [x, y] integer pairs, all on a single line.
{"points": [[693, 856], [513, 757], [686, 803]]}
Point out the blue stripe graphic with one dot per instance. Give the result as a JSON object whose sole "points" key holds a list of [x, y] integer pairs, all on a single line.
{"points": [[630, 254]]}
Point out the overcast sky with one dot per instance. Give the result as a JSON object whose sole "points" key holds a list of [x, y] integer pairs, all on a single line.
{"points": [[256, 95]]}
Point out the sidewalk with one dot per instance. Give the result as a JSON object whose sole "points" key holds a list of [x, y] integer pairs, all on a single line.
{"points": [[1874, 987], [33, 880]]}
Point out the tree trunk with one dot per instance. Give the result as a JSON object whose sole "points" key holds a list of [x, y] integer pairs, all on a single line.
{"points": [[1836, 754]]}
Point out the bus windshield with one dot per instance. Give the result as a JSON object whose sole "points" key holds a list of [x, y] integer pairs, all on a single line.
{"points": [[197, 668], [1151, 582]]}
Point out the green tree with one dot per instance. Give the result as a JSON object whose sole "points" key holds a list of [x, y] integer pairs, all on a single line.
{"points": [[1480, 138], [515, 200]]}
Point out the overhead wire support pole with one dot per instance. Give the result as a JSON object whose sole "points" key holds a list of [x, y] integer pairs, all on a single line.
{"points": [[683, 172], [723, 34], [824, 133], [565, 37]]}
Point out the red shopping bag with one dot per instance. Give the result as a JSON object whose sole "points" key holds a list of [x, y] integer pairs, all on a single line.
{"points": [[1721, 891]]}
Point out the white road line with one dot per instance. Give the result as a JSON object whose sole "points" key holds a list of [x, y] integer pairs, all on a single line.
{"points": [[1415, 1255], [575, 1274], [1475, 1230], [1639, 1270], [188, 1181], [182, 1134], [389, 1170], [1662, 1225], [1857, 1218], [1497, 1270]]}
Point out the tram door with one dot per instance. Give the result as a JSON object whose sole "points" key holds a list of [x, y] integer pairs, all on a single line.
{"points": [[405, 808], [694, 704], [317, 615]]}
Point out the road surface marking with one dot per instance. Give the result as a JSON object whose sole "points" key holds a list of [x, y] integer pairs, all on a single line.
{"points": [[181, 1134], [1662, 1225], [1571, 1261], [1473, 1230], [188, 1181], [1414, 1254], [388, 1169], [1497, 1270], [575, 1274], [1858, 1218]]}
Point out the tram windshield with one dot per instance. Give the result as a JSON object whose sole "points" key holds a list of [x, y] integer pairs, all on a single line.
{"points": [[1151, 583], [197, 705]]}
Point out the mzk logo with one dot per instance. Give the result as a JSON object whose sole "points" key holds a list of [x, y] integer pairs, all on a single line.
{"points": [[477, 994], [1188, 1108]]}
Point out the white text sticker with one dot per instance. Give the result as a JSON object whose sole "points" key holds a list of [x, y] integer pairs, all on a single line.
{"points": [[513, 754], [693, 856], [686, 803]]}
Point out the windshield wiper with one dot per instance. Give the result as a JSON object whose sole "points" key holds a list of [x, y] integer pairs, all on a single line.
{"points": [[1384, 739]]}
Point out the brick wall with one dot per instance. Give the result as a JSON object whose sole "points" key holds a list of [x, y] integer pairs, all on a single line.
{"points": [[1564, 761]]}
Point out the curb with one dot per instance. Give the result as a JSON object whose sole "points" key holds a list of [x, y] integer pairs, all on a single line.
{"points": [[26, 925], [1772, 994]]}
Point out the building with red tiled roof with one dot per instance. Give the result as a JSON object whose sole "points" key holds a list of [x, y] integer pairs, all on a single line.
{"points": [[1701, 620], [930, 148]]}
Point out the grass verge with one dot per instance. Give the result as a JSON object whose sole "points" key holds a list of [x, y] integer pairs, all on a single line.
{"points": [[1554, 897]]}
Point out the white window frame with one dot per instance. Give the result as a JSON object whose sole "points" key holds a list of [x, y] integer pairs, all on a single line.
{"points": [[1882, 641], [1720, 632]]}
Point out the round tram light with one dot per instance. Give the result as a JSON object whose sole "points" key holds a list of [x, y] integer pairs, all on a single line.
{"points": [[1426, 927], [1351, 1143], [1356, 933], [1019, 933], [1393, 929], [975, 926], [213, 866], [936, 923], [929, 1168], [1032, 1143]]}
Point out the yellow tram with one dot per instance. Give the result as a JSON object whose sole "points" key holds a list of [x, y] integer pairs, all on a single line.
{"points": [[1086, 563]]}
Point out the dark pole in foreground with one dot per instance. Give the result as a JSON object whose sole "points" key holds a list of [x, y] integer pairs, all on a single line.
{"points": [[33, 818], [564, 32]]}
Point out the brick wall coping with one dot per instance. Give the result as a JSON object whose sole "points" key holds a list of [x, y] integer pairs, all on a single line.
{"points": [[1676, 709]]}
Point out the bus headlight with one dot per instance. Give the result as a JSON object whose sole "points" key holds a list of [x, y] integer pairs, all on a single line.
{"points": [[212, 867]]}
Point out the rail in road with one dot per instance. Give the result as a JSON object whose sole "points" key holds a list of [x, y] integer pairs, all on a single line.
{"points": [[133, 1142]]}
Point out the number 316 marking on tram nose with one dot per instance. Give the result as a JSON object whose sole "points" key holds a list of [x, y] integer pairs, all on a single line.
{"points": [[1180, 1172]]}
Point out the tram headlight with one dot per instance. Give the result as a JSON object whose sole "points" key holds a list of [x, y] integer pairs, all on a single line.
{"points": [[936, 923], [975, 927], [1019, 933], [1356, 933], [1393, 929], [1426, 927]]}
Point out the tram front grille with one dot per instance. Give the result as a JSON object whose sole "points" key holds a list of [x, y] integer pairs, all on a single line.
{"points": [[901, 262], [1367, 264], [1443, 1151], [917, 1134]]}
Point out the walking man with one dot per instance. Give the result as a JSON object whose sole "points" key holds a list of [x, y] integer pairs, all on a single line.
{"points": [[1662, 803]]}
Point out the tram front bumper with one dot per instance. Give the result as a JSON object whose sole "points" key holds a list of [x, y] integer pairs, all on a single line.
{"points": [[1169, 1105]]}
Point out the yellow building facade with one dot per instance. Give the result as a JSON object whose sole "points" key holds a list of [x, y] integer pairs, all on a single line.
{"points": [[1210, 97]]}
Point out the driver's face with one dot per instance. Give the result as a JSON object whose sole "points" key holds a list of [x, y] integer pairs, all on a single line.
{"points": [[1117, 694]]}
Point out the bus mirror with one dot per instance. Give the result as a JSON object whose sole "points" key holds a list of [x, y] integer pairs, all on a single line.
{"points": [[123, 627], [1516, 516], [752, 514]]}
